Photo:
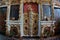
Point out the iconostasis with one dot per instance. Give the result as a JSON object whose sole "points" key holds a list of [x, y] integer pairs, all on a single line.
{"points": [[28, 18]]}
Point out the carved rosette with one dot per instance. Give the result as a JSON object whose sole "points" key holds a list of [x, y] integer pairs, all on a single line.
{"points": [[15, 30], [14, 1]]}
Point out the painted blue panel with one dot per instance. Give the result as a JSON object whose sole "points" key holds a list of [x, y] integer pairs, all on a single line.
{"points": [[46, 10], [56, 13]]}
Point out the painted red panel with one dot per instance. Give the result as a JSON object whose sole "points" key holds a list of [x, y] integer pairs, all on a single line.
{"points": [[33, 5]]}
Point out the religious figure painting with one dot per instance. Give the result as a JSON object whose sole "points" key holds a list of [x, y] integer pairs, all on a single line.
{"points": [[14, 12], [46, 13], [56, 13]]}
